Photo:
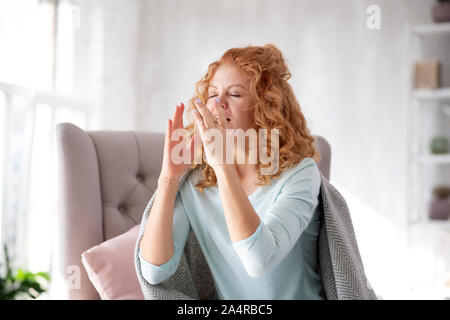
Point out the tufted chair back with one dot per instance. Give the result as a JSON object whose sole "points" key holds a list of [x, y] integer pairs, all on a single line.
{"points": [[106, 181]]}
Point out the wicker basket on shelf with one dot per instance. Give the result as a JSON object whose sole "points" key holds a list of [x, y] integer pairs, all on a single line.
{"points": [[426, 74]]}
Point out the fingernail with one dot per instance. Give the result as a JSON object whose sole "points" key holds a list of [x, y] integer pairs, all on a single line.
{"points": [[197, 100]]}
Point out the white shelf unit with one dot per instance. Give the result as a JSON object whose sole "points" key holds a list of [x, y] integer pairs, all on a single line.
{"points": [[441, 94], [430, 29], [419, 102]]}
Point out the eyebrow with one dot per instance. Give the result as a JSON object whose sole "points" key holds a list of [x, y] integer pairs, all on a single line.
{"points": [[233, 85]]}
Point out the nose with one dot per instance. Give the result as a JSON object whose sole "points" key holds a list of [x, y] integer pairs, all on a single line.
{"points": [[223, 102]]}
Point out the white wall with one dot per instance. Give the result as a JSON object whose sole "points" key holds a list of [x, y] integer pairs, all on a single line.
{"points": [[106, 69], [349, 80]]}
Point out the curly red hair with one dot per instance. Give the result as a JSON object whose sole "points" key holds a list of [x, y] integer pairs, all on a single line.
{"points": [[275, 107]]}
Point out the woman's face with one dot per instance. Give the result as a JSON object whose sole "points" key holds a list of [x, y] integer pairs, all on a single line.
{"points": [[233, 90]]}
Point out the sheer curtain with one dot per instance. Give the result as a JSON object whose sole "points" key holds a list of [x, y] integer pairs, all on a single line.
{"points": [[36, 93]]}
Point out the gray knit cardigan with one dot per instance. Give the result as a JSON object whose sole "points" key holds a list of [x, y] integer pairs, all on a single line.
{"points": [[339, 262]]}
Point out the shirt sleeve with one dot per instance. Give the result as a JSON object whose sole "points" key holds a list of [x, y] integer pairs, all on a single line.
{"points": [[283, 224], [155, 274]]}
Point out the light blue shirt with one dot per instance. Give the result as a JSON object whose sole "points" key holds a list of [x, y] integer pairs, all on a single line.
{"points": [[278, 261]]}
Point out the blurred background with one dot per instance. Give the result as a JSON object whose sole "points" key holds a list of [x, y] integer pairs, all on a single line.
{"points": [[372, 77]]}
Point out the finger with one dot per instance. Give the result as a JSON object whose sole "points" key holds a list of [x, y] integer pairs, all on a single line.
{"points": [[176, 116], [175, 112], [191, 149], [199, 121], [181, 115], [176, 122], [167, 141], [196, 149], [222, 121], [179, 119], [208, 117]]}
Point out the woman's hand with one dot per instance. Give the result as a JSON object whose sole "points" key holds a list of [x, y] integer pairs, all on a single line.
{"points": [[173, 170], [209, 127]]}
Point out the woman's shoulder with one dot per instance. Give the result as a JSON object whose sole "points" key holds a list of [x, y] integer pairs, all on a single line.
{"points": [[307, 166], [305, 173]]}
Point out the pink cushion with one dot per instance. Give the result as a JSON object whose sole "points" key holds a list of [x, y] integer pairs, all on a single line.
{"points": [[110, 267]]}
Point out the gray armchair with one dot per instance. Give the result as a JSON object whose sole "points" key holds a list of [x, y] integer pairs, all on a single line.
{"points": [[106, 181]]}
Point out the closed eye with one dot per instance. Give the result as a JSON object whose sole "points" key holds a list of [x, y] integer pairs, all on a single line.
{"points": [[233, 95]]}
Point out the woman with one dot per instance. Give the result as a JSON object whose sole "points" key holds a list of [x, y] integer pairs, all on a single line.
{"points": [[258, 232]]}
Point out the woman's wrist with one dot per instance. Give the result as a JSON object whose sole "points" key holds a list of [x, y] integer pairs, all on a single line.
{"points": [[167, 180], [224, 170]]}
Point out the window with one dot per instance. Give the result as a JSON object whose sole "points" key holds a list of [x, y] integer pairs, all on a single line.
{"points": [[36, 87]]}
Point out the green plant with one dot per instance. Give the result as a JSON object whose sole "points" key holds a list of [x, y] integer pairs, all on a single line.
{"points": [[441, 192], [23, 284], [439, 144]]}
